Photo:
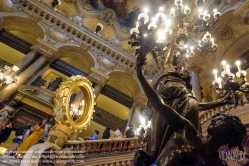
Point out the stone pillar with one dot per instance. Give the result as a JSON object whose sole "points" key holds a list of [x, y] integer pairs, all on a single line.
{"points": [[98, 78], [25, 61], [98, 86], [139, 103], [28, 58], [24, 76], [196, 82], [38, 73]]}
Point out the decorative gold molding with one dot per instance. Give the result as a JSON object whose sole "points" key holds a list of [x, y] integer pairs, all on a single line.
{"points": [[98, 76], [62, 103]]}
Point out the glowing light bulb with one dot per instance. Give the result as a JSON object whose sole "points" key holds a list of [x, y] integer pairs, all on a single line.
{"points": [[161, 9], [146, 10]]}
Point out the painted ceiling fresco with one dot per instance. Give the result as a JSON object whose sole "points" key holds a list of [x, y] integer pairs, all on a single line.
{"points": [[126, 10]]}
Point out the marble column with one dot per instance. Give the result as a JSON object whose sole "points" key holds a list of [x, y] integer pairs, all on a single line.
{"points": [[10, 89], [196, 82], [38, 73], [26, 60], [98, 79], [136, 115], [98, 86], [136, 112]]}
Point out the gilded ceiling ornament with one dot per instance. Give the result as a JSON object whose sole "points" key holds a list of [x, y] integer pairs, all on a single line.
{"points": [[225, 33]]}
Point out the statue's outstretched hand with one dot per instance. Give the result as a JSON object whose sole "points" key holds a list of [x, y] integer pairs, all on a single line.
{"points": [[140, 63]]}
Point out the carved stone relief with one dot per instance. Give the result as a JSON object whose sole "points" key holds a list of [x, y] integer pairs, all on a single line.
{"points": [[56, 34], [97, 77], [105, 62]]}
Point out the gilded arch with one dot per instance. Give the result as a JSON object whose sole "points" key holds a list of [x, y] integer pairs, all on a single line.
{"points": [[125, 82], [24, 25], [78, 54]]}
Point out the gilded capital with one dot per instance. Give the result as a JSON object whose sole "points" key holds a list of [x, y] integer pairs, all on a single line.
{"points": [[97, 76]]}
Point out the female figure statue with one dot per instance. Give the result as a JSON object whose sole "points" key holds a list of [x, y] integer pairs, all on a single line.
{"points": [[176, 112]]}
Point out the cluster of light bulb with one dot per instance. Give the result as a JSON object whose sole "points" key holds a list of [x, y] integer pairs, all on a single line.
{"points": [[206, 39], [226, 71], [5, 78], [179, 6], [205, 16]]}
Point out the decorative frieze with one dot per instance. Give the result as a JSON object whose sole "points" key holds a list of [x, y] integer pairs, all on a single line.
{"points": [[66, 68], [40, 95], [14, 41], [107, 119], [97, 76], [117, 95]]}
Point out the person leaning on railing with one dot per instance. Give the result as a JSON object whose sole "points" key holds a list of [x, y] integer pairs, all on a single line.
{"points": [[93, 137], [118, 133]]}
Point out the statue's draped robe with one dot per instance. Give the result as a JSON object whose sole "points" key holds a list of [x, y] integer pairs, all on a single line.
{"points": [[173, 90]]}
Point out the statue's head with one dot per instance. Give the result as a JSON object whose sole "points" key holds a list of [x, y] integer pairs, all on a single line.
{"points": [[229, 127]]}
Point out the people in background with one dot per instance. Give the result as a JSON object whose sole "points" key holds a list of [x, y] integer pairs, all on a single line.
{"points": [[118, 133], [94, 136], [47, 127], [141, 133], [129, 132], [34, 137], [106, 134], [21, 134], [5, 133]]}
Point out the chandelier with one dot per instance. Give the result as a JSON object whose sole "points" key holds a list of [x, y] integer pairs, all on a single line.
{"points": [[226, 85], [5, 75], [154, 35], [76, 112]]}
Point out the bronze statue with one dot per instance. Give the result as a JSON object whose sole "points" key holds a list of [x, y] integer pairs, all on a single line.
{"points": [[175, 139]]}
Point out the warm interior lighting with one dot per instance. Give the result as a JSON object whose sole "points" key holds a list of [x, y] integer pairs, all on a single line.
{"points": [[15, 68]]}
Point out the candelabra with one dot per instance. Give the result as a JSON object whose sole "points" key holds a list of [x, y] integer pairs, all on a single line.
{"points": [[5, 75], [154, 36], [75, 112], [229, 86]]}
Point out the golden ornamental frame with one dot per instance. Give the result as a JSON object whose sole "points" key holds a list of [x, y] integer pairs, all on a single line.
{"points": [[62, 103]]}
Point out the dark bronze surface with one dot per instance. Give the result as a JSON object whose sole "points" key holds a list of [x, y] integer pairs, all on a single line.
{"points": [[174, 138]]}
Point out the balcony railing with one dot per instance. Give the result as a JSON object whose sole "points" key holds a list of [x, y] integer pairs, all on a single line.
{"points": [[88, 148]]}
